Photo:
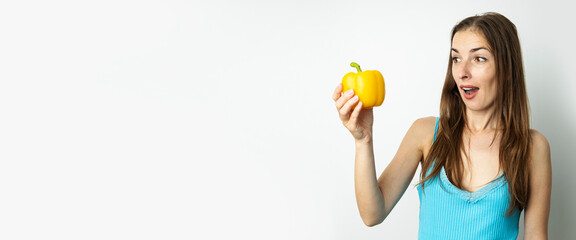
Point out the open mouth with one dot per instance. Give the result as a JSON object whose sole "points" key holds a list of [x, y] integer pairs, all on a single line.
{"points": [[470, 90]]}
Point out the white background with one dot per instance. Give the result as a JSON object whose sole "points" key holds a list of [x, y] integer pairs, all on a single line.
{"points": [[213, 119]]}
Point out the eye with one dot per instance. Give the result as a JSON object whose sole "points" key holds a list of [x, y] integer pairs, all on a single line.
{"points": [[480, 59], [456, 59]]}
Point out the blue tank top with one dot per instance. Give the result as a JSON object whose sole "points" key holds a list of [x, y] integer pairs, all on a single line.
{"points": [[447, 212]]}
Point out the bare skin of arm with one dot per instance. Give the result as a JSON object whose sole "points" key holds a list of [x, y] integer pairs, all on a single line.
{"points": [[538, 208], [377, 197]]}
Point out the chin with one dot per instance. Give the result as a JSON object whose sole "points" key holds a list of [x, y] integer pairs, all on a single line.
{"points": [[477, 107]]}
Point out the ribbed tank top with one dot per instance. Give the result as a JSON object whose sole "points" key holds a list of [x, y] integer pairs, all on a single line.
{"points": [[447, 212]]}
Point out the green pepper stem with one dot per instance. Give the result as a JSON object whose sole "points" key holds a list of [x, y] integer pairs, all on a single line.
{"points": [[356, 66]]}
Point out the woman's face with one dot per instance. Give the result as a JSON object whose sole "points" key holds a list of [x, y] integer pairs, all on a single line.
{"points": [[474, 70]]}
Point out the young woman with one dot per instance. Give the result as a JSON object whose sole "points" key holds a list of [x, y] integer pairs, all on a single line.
{"points": [[481, 163]]}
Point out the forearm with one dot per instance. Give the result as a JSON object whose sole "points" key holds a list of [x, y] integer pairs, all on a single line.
{"points": [[368, 194], [536, 237]]}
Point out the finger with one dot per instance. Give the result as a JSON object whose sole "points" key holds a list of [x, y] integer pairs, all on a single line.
{"points": [[356, 112], [348, 107], [337, 92], [342, 100]]}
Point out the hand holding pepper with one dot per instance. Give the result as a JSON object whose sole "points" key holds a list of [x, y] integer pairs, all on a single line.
{"points": [[356, 110], [357, 120]]}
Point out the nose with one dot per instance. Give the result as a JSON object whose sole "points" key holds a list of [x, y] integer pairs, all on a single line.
{"points": [[462, 71]]}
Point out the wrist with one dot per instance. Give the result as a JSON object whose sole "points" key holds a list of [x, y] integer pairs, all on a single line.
{"points": [[364, 141]]}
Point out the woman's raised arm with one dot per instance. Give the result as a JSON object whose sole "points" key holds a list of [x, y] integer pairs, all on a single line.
{"points": [[376, 197]]}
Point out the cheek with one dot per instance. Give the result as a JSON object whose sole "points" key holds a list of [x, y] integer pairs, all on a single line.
{"points": [[492, 87], [488, 77], [493, 83]]}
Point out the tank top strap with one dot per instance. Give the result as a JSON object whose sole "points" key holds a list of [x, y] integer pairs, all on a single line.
{"points": [[436, 128]]}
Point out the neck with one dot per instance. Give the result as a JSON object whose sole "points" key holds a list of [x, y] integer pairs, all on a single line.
{"points": [[481, 121]]}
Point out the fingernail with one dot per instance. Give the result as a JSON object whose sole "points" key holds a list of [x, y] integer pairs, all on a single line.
{"points": [[349, 92], [355, 98]]}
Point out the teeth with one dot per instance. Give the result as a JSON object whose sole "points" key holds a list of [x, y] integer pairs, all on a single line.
{"points": [[467, 89]]}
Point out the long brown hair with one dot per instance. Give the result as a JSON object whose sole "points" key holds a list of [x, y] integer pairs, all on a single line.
{"points": [[511, 112]]}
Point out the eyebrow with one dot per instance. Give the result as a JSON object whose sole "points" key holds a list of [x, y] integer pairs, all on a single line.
{"points": [[473, 49]]}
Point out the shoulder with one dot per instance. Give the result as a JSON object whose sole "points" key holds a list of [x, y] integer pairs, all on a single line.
{"points": [[423, 130], [540, 144], [424, 125], [540, 154]]}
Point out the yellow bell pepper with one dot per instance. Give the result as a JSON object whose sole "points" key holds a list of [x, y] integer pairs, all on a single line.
{"points": [[368, 85]]}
